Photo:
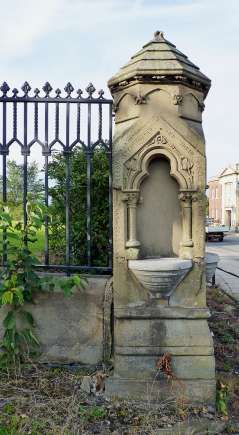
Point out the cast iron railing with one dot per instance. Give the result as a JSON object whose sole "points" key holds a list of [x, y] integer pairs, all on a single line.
{"points": [[29, 120]]}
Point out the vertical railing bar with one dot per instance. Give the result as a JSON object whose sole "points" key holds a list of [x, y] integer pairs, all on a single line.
{"points": [[78, 126], [57, 122], [110, 190], [46, 247], [4, 178], [36, 121], [67, 196], [25, 169], [15, 120], [88, 199], [100, 123], [4, 191]]}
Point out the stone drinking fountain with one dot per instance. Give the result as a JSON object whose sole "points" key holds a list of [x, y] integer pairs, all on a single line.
{"points": [[159, 179]]}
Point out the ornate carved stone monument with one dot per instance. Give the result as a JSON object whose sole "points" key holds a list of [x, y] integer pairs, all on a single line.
{"points": [[158, 226]]}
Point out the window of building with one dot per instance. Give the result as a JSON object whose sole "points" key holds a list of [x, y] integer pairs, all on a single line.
{"points": [[228, 194]]}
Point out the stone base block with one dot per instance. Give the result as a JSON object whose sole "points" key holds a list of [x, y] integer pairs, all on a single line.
{"points": [[191, 391]]}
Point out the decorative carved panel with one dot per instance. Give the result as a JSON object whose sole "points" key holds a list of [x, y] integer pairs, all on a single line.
{"points": [[136, 167]]}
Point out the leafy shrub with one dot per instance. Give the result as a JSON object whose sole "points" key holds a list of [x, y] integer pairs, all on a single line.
{"points": [[78, 206], [19, 282]]}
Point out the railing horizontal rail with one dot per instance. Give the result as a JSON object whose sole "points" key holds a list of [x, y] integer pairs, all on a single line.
{"points": [[29, 99]]}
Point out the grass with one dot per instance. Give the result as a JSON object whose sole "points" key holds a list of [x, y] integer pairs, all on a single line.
{"points": [[37, 247]]}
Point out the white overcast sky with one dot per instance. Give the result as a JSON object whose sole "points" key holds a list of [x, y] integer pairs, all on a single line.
{"points": [[88, 40]]}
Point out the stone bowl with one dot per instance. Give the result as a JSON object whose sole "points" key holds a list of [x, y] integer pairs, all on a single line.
{"points": [[211, 264], [160, 276]]}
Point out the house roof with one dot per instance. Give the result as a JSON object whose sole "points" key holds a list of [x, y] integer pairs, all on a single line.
{"points": [[230, 170], [159, 59]]}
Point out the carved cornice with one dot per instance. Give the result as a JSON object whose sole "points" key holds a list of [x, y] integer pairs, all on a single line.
{"points": [[160, 79]]}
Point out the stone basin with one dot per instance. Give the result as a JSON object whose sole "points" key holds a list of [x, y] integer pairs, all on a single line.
{"points": [[211, 264], [160, 276]]}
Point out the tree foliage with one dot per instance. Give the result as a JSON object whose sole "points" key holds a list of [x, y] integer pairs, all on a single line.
{"points": [[78, 206], [15, 181]]}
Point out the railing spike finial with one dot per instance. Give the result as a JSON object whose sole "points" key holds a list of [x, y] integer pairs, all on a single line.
{"points": [[5, 88], [90, 89], [15, 92], [69, 89], [36, 92], [101, 93], [47, 88], [58, 92], [26, 88], [79, 93]]}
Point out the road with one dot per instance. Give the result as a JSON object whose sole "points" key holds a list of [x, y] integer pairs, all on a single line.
{"points": [[228, 251]]}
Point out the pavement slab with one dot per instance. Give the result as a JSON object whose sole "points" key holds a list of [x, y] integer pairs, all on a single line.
{"points": [[228, 252]]}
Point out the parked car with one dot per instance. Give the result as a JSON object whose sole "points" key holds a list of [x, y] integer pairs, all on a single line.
{"points": [[216, 232]]}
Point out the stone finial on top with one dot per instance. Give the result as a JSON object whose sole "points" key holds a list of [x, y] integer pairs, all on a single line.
{"points": [[158, 36], [157, 60]]}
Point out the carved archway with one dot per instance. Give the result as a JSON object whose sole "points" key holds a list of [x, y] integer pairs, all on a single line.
{"points": [[136, 168], [151, 154]]}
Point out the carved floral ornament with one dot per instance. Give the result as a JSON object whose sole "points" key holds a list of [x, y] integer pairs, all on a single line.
{"points": [[136, 168], [177, 99]]}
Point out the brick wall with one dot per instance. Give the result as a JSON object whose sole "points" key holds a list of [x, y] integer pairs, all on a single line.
{"points": [[215, 200]]}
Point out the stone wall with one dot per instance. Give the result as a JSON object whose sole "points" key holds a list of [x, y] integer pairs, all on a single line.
{"points": [[74, 329]]}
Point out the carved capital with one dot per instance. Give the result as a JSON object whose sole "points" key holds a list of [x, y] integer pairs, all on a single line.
{"points": [[185, 196], [132, 198]]}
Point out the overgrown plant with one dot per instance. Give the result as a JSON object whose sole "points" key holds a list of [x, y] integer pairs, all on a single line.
{"points": [[222, 396], [19, 282]]}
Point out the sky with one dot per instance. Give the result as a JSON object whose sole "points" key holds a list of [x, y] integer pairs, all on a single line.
{"points": [[89, 40]]}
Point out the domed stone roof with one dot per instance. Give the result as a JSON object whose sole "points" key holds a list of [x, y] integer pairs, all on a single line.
{"points": [[160, 60]]}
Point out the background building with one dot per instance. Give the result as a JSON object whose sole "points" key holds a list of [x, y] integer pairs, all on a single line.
{"points": [[223, 196]]}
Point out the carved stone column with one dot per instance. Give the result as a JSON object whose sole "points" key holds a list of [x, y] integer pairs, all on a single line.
{"points": [[185, 198], [132, 244], [198, 215]]}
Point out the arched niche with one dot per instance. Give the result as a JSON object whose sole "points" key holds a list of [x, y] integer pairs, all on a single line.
{"points": [[191, 107], [158, 100], [159, 220]]}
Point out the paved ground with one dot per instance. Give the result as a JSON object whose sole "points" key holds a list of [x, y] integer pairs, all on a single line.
{"points": [[228, 251]]}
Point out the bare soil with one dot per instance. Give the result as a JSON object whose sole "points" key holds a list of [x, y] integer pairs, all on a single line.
{"points": [[45, 400]]}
